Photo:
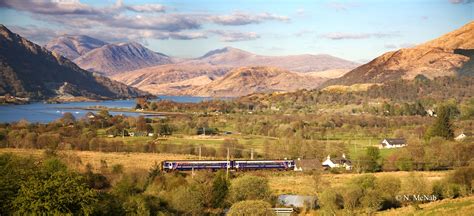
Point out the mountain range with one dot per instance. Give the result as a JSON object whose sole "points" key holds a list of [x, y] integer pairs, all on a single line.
{"points": [[189, 77], [29, 70], [32, 71], [449, 55], [135, 65], [297, 63]]}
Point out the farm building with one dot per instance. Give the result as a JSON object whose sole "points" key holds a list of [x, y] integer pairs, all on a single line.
{"points": [[337, 162], [393, 143]]}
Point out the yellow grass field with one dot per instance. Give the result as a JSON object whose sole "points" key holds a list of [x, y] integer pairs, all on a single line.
{"points": [[299, 183], [452, 207], [130, 161]]}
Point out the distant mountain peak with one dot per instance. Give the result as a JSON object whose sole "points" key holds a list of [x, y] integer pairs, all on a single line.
{"points": [[121, 57], [73, 46], [223, 50], [5, 32]]}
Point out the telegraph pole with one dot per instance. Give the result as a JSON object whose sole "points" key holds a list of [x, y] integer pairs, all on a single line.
{"points": [[199, 152], [251, 154], [227, 165]]}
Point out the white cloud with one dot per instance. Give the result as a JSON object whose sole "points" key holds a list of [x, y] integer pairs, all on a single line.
{"points": [[355, 36], [238, 18], [230, 36]]}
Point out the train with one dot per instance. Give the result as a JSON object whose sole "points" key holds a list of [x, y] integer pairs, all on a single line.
{"points": [[236, 165]]}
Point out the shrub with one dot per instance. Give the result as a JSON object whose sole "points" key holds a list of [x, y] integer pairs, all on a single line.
{"points": [[251, 207], [249, 188], [388, 187], [187, 200], [66, 193], [352, 196], [329, 201], [117, 169], [220, 188], [372, 201]]}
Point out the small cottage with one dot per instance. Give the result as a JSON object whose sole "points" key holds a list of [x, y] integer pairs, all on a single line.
{"points": [[393, 143], [431, 112], [463, 136], [337, 162]]}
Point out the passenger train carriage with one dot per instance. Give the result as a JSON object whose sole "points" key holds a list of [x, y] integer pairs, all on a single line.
{"points": [[238, 165], [263, 164], [184, 165]]}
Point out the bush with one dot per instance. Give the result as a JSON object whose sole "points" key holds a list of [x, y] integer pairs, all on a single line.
{"points": [[463, 176], [220, 188], [66, 193], [117, 169], [251, 207], [329, 201], [388, 187], [249, 188], [187, 200], [352, 196], [372, 201], [13, 171]]}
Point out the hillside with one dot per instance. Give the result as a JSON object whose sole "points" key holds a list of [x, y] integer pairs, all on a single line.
{"points": [[172, 79], [29, 70], [116, 58], [248, 80], [73, 46], [448, 55], [297, 63]]}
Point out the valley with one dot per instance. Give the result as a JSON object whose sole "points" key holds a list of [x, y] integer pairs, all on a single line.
{"points": [[236, 108]]}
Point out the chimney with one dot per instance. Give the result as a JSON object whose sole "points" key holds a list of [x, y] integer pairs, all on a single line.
{"points": [[329, 157], [343, 155]]}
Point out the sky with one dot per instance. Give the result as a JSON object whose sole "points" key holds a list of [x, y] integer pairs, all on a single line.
{"points": [[353, 30]]}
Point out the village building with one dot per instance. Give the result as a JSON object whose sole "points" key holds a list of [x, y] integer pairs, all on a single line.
{"points": [[431, 112], [463, 136], [337, 162], [393, 143], [90, 115]]}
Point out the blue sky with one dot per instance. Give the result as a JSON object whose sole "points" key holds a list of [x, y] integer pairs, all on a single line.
{"points": [[354, 30]]}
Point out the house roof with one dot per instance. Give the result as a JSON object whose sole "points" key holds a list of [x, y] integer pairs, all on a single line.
{"points": [[341, 160], [308, 164], [395, 141], [467, 133]]}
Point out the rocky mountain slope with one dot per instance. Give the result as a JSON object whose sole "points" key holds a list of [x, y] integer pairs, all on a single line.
{"points": [[73, 46], [448, 55], [116, 58], [172, 79], [297, 63], [29, 70], [258, 79]]}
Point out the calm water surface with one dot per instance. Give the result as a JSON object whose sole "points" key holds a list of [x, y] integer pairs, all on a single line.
{"points": [[40, 112]]}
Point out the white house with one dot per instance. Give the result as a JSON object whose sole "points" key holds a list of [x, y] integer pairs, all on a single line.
{"points": [[431, 113], [337, 162], [393, 143], [463, 136]]}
